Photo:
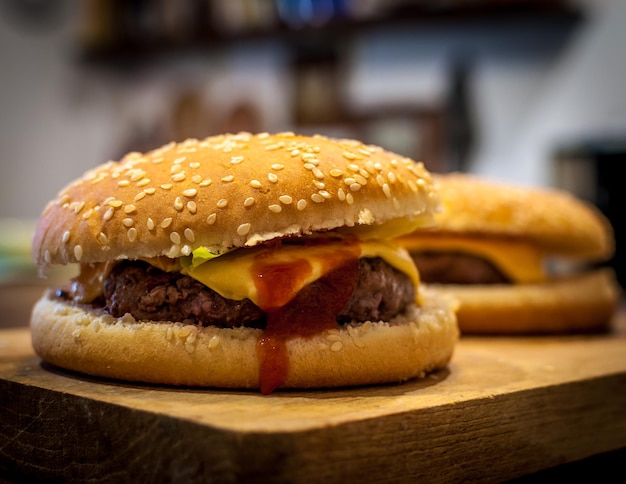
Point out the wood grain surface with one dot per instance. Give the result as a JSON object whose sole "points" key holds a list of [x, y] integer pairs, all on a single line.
{"points": [[504, 408]]}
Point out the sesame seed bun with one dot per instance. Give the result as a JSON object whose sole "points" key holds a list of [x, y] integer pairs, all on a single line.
{"points": [[93, 342], [230, 191], [237, 193], [558, 230]]}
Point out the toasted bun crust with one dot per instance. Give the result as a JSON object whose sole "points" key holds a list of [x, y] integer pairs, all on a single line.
{"points": [[573, 304], [557, 222], [80, 339], [231, 191]]}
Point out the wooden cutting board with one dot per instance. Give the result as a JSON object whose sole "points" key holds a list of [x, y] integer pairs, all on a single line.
{"points": [[504, 407]]}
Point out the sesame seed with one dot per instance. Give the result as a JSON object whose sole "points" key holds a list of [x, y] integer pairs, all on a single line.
{"points": [[192, 207], [335, 172], [88, 213], [319, 184], [286, 199], [272, 177], [78, 252], [130, 208], [189, 235], [149, 190], [175, 237], [248, 202], [116, 203], [166, 222], [301, 205], [391, 176], [196, 178], [353, 167], [178, 176], [275, 208], [413, 186], [128, 222], [123, 183], [295, 152], [158, 160], [137, 175], [108, 215], [369, 166], [102, 238], [166, 186], [341, 195], [349, 198], [205, 183], [336, 346], [355, 187], [308, 166], [178, 204], [66, 236], [325, 194], [222, 202], [174, 251], [190, 192], [150, 224], [213, 342], [228, 178], [194, 165], [349, 155], [360, 180], [139, 196], [275, 146], [132, 234], [255, 184], [178, 161], [260, 136], [186, 250], [349, 181], [235, 160], [277, 166], [211, 219], [387, 190], [243, 229], [380, 180], [317, 173], [317, 198], [143, 182]]}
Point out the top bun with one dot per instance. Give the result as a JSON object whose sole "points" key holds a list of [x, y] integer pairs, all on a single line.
{"points": [[553, 220], [231, 191]]}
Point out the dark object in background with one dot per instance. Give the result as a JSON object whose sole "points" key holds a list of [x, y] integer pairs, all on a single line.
{"points": [[591, 169]]}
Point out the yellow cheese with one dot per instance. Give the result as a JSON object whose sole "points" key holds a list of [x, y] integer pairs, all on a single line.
{"points": [[232, 275], [519, 260]]}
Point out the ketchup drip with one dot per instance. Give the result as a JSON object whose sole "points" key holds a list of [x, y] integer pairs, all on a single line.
{"points": [[311, 311]]}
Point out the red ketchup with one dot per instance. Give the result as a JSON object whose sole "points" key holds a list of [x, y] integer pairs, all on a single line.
{"points": [[306, 313]]}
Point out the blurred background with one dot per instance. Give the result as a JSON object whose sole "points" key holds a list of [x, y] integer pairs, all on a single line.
{"points": [[527, 91]]}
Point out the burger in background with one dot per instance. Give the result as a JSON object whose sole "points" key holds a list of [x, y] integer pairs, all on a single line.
{"points": [[243, 261], [519, 260]]}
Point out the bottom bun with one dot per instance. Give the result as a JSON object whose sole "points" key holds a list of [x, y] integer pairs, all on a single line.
{"points": [[93, 342], [573, 304]]}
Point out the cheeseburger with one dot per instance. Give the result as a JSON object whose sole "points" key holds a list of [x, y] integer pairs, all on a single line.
{"points": [[517, 259], [243, 261]]}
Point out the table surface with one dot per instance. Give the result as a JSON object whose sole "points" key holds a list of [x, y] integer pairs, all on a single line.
{"points": [[504, 408]]}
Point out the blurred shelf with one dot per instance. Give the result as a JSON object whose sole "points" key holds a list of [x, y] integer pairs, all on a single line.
{"points": [[130, 46]]}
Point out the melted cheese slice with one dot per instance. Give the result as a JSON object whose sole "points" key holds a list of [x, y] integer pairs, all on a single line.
{"points": [[233, 275], [520, 261]]}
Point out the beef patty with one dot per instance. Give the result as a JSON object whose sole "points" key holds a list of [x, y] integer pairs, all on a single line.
{"points": [[457, 268], [148, 293]]}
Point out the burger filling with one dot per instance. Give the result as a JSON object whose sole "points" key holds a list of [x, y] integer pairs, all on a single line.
{"points": [[148, 293], [466, 259], [457, 268]]}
